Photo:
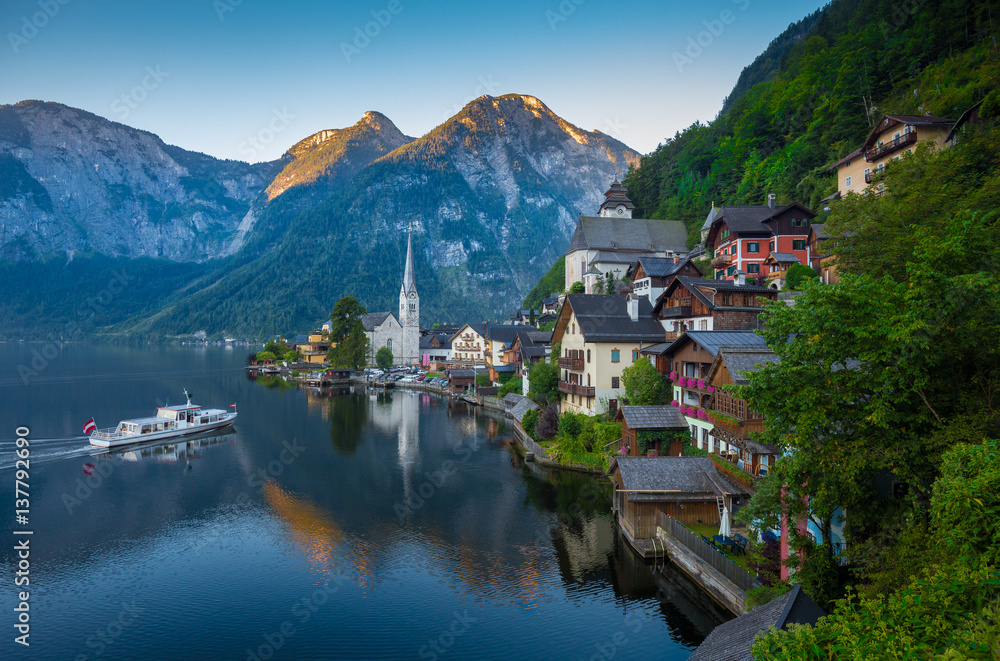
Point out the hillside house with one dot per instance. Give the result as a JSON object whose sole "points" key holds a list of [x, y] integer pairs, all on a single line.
{"points": [[613, 240], [600, 336], [704, 304], [313, 347], [650, 276], [823, 262]]}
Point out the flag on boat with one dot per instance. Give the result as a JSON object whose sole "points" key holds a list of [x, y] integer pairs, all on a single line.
{"points": [[89, 426], [232, 406]]}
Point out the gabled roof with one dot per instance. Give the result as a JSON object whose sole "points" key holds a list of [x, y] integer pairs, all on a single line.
{"points": [[889, 121], [653, 417], [519, 409], [503, 334], [850, 157], [781, 258], [972, 114], [819, 232], [628, 235], [731, 641], [373, 320], [609, 257], [605, 318], [676, 478], [467, 373], [712, 215], [697, 285], [741, 359], [479, 329], [616, 195], [752, 219], [658, 267], [713, 341]]}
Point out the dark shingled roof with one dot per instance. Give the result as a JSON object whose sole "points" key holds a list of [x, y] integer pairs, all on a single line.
{"points": [[854, 154], [732, 640], [464, 373], [629, 234], [695, 285], [783, 257], [608, 257], [374, 319], [521, 408], [749, 218], [679, 478], [503, 334], [661, 267], [653, 417], [713, 341], [739, 360], [604, 318], [819, 231]]}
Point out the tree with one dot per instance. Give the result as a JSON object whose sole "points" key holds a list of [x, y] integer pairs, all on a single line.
{"points": [[609, 283], [599, 286], [483, 380], [578, 288], [384, 358], [644, 386], [543, 382], [348, 340], [512, 386], [548, 422], [797, 273], [265, 356]]}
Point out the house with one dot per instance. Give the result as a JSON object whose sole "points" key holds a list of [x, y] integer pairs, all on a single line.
{"points": [[435, 348], [468, 345], [650, 276], [383, 330], [686, 362], [547, 318], [528, 348], [777, 264], [462, 379], [688, 489], [656, 422], [732, 640], [314, 347], [600, 335], [823, 262], [613, 240], [551, 304], [705, 304], [893, 136], [969, 117], [741, 238], [499, 338], [525, 317], [734, 421]]}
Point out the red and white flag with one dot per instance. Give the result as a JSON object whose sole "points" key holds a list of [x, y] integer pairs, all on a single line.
{"points": [[89, 426], [232, 406]]}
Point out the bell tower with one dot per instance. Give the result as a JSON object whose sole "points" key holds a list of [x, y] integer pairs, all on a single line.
{"points": [[409, 310]]}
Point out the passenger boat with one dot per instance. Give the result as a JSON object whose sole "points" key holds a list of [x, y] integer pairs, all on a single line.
{"points": [[170, 421]]}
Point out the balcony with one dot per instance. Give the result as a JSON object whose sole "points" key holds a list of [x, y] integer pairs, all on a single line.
{"points": [[576, 389], [722, 261], [676, 312], [574, 364], [891, 146]]}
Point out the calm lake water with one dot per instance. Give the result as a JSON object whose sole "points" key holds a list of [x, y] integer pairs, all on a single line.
{"points": [[322, 527]]}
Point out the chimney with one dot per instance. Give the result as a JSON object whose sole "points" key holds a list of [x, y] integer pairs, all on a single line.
{"points": [[771, 200], [632, 303], [741, 278]]}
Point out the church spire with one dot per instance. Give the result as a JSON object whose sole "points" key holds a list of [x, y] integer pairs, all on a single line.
{"points": [[409, 280]]}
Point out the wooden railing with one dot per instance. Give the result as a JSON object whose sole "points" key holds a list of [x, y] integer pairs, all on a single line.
{"points": [[709, 554], [576, 389], [575, 364], [676, 312], [891, 146]]}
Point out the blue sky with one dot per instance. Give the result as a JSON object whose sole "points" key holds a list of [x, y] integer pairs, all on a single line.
{"points": [[208, 75]]}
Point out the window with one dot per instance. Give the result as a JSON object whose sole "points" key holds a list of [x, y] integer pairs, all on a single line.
{"points": [[615, 356], [718, 275], [731, 270], [388, 344], [572, 329], [753, 268], [798, 244], [868, 171], [733, 249], [770, 246], [703, 324], [588, 356], [847, 182], [614, 382], [753, 246], [635, 355], [897, 157]]}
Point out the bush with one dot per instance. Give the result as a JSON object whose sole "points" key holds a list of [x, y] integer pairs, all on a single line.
{"points": [[511, 387], [548, 423], [578, 288], [384, 358], [265, 356], [797, 273], [528, 422], [483, 380], [571, 424]]}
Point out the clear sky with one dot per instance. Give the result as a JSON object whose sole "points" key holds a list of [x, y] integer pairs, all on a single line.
{"points": [[208, 75]]}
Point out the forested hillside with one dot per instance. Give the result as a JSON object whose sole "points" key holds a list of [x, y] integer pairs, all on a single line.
{"points": [[861, 59]]}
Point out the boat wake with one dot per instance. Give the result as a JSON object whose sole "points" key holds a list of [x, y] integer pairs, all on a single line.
{"points": [[44, 450]]}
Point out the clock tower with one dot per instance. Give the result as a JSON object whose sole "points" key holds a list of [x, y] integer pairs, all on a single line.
{"points": [[409, 310], [616, 203]]}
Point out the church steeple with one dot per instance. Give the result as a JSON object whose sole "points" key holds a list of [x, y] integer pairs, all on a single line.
{"points": [[409, 309], [409, 280], [616, 202]]}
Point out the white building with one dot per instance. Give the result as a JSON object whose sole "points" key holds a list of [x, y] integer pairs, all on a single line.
{"points": [[401, 337]]}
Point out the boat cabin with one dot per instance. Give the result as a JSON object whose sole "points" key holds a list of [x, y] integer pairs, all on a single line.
{"points": [[187, 413], [140, 426]]}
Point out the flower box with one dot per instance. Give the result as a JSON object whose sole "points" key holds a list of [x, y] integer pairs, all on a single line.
{"points": [[673, 376], [701, 384], [675, 404]]}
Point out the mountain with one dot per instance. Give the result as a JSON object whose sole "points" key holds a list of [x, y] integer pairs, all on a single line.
{"points": [[814, 96], [71, 181], [492, 197]]}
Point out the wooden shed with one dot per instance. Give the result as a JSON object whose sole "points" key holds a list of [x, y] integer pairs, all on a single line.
{"points": [[689, 489], [661, 420]]}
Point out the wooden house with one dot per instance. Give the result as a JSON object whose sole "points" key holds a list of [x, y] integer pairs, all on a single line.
{"points": [[703, 304], [824, 263], [777, 265], [650, 276], [689, 489], [734, 420], [661, 421]]}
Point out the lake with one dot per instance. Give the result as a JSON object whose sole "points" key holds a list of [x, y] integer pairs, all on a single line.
{"points": [[322, 526]]}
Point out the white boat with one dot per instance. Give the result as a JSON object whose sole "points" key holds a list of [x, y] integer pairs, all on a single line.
{"points": [[170, 421]]}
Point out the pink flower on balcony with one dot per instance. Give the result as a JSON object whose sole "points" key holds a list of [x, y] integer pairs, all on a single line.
{"points": [[701, 384], [673, 376], [702, 415], [711, 389], [675, 404]]}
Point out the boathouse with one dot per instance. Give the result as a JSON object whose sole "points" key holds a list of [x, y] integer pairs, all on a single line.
{"points": [[689, 489], [656, 430]]}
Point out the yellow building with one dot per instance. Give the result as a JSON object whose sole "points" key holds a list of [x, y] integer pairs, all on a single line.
{"points": [[892, 137], [314, 349]]}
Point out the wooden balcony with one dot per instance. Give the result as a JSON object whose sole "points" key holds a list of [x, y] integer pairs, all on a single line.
{"points": [[722, 261], [676, 312], [574, 364], [576, 389], [891, 146]]}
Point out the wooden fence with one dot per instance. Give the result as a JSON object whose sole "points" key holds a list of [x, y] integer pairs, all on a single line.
{"points": [[712, 556]]}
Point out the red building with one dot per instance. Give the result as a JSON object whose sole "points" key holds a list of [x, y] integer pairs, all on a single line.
{"points": [[741, 238]]}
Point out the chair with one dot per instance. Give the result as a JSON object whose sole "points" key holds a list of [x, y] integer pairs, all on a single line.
{"points": [[741, 543]]}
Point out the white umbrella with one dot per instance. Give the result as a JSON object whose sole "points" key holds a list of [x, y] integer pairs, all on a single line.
{"points": [[724, 529]]}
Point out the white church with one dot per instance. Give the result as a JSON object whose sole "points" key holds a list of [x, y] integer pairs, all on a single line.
{"points": [[402, 335]]}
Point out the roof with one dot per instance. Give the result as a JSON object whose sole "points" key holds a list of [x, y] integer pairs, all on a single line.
{"points": [[653, 417], [676, 477], [502, 334], [854, 154], [608, 257], [467, 373], [889, 121], [628, 234], [617, 195], [522, 407], [750, 219], [782, 257], [502, 369], [444, 341], [742, 359], [972, 114], [605, 318], [713, 341], [301, 339], [373, 320], [661, 267], [819, 231], [409, 281], [550, 301], [731, 641], [695, 285], [712, 215]]}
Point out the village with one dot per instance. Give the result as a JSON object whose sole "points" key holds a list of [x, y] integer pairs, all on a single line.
{"points": [[632, 371]]}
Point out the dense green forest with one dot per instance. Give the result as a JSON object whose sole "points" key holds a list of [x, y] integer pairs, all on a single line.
{"points": [[551, 282], [859, 60]]}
